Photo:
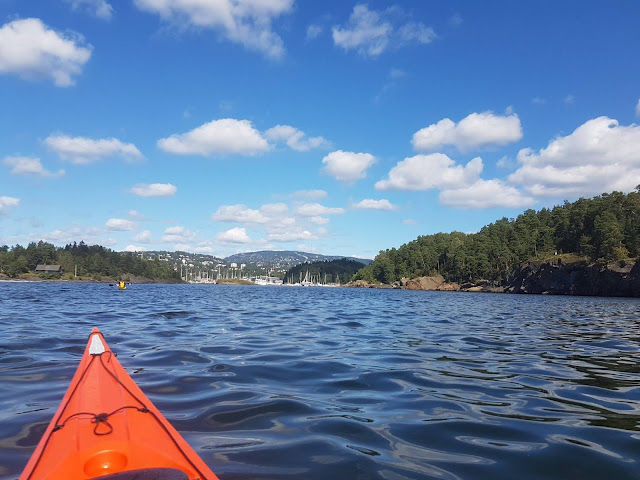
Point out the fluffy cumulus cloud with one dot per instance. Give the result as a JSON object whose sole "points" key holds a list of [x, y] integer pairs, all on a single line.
{"points": [[178, 234], [29, 166], [599, 156], [485, 194], [8, 202], [98, 8], [436, 170], [271, 213], [348, 167], [316, 209], [234, 235], [82, 151], [154, 190], [295, 139], [247, 22], [32, 50], [371, 204], [278, 221], [475, 130], [225, 136], [371, 32], [291, 236], [143, 237], [120, 224]]}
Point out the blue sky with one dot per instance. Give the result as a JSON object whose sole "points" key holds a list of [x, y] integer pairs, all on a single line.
{"points": [[337, 127]]}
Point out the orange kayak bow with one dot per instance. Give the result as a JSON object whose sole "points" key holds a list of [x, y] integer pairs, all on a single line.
{"points": [[107, 429]]}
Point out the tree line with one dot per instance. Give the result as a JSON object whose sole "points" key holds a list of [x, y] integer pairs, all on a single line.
{"points": [[328, 271], [599, 229], [89, 261]]}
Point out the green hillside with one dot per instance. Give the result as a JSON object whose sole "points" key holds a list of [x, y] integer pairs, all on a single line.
{"points": [[328, 271], [89, 261], [599, 229]]}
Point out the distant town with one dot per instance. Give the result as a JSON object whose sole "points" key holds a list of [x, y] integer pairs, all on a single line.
{"points": [[258, 267]]}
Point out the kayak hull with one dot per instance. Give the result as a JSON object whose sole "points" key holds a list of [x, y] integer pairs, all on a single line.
{"points": [[106, 426]]}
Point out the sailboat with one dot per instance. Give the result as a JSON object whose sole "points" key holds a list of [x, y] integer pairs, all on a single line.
{"points": [[306, 282]]}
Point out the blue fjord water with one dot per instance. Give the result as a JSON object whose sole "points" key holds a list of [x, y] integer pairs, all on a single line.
{"points": [[317, 383]]}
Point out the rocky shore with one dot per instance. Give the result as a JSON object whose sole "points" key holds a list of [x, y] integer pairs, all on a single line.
{"points": [[615, 279], [552, 277]]}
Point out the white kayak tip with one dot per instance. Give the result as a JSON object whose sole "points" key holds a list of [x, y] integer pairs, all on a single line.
{"points": [[96, 347]]}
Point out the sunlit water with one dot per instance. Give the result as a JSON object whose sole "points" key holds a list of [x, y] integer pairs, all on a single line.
{"points": [[317, 383]]}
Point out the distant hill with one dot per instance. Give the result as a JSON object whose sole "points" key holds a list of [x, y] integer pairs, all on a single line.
{"points": [[285, 259], [255, 263]]}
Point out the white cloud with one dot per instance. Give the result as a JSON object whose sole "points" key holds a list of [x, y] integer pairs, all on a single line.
{"points": [[638, 109], [32, 50], [225, 136], [274, 210], [370, 204], [29, 166], [538, 101], [396, 73], [178, 234], [98, 8], [485, 194], [291, 236], [475, 130], [436, 170], [71, 233], [154, 190], [247, 22], [599, 156], [234, 235], [120, 224], [318, 220], [348, 167], [201, 247], [8, 202], [456, 20], [134, 248], [313, 31], [136, 215], [310, 194], [268, 213], [371, 32], [570, 99], [505, 162], [81, 151], [143, 237], [295, 139], [316, 209], [416, 33], [410, 221]]}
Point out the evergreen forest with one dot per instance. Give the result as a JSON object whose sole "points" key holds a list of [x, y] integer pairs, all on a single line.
{"points": [[328, 271], [89, 261], [596, 230]]}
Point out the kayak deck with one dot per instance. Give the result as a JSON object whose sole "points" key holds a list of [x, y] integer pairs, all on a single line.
{"points": [[107, 428]]}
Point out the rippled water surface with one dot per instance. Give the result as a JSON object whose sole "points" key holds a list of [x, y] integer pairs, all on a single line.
{"points": [[317, 383]]}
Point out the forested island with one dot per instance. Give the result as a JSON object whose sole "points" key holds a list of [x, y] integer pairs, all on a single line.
{"points": [[581, 242], [79, 261]]}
